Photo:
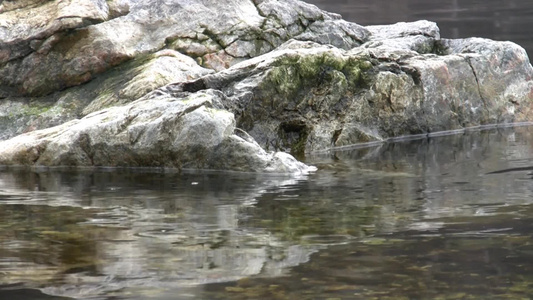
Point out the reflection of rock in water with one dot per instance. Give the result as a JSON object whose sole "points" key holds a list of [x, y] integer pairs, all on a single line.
{"points": [[144, 238], [195, 258]]}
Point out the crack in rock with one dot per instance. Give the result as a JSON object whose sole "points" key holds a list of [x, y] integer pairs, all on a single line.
{"points": [[468, 60]]}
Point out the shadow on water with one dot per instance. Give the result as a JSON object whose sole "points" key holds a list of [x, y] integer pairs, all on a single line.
{"points": [[420, 219]]}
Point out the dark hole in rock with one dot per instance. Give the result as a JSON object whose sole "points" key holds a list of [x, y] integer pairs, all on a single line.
{"points": [[293, 135]]}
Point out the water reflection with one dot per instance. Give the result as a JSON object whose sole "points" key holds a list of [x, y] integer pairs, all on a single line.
{"points": [[86, 234], [398, 212], [442, 264]]}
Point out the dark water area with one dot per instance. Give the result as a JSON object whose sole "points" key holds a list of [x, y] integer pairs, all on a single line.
{"points": [[419, 219], [495, 19]]}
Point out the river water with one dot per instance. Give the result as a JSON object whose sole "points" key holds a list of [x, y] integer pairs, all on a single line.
{"points": [[418, 219]]}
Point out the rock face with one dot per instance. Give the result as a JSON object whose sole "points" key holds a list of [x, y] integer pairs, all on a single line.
{"points": [[210, 84], [51, 45], [304, 97], [156, 131]]}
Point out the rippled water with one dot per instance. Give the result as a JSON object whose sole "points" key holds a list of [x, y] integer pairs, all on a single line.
{"points": [[420, 219]]}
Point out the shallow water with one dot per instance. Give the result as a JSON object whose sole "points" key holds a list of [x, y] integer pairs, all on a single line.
{"points": [[420, 219]]}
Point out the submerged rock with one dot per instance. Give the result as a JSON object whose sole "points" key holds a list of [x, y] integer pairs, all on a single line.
{"points": [[275, 75]]}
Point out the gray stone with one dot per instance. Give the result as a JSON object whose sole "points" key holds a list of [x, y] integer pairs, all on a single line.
{"points": [[124, 84], [156, 131], [43, 53], [211, 84], [303, 96]]}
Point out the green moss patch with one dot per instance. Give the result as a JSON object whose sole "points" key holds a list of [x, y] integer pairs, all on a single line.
{"points": [[293, 73]]}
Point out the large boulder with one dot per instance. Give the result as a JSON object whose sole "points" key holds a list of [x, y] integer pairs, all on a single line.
{"points": [[125, 83], [279, 75], [157, 131], [303, 96], [46, 46]]}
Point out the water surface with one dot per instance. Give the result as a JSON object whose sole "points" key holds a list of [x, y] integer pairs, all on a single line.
{"points": [[420, 219]]}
